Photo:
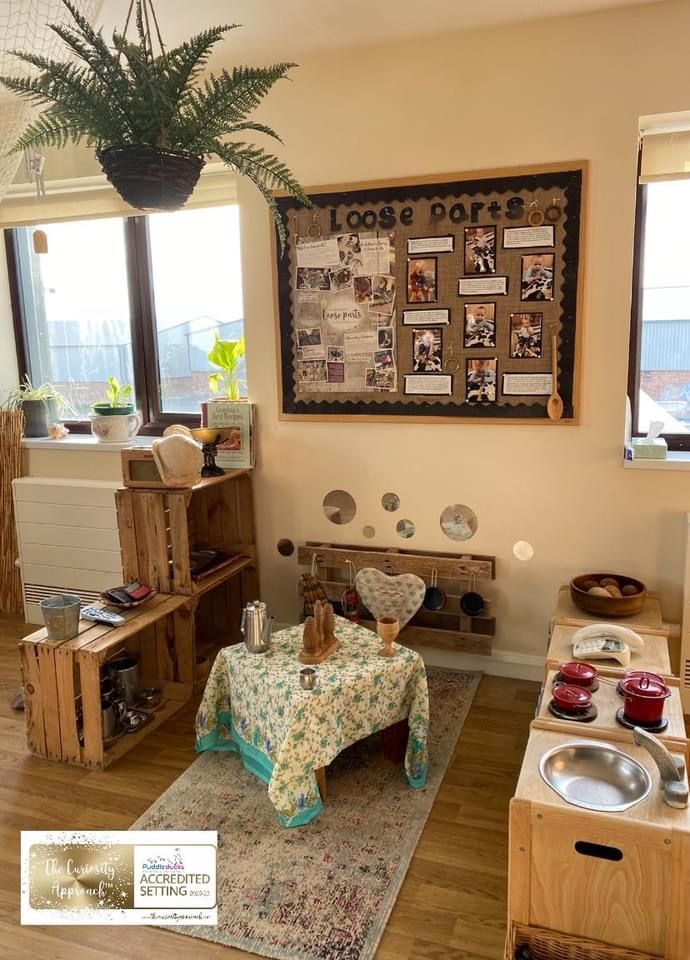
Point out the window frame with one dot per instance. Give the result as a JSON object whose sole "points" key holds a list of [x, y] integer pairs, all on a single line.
{"points": [[675, 441], [142, 309]]}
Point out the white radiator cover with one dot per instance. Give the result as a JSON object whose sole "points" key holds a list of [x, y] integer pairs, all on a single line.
{"points": [[68, 539]]}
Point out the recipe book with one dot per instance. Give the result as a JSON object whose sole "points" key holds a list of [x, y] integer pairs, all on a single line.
{"points": [[237, 452]]}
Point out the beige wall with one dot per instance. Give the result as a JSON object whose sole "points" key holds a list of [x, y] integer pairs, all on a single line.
{"points": [[550, 91]]}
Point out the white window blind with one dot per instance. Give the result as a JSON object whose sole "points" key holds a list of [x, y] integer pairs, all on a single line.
{"points": [[89, 197], [665, 147]]}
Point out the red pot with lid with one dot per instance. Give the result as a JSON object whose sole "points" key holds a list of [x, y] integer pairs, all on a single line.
{"points": [[644, 699], [577, 673], [571, 697]]}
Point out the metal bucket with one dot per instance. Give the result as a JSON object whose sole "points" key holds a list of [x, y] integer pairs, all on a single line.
{"points": [[124, 672], [61, 616]]}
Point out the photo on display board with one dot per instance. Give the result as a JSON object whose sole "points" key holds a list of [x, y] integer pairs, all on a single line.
{"points": [[384, 359], [341, 279], [350, 251], [385, 337], [362, 289], [383, 293], [480, 249], [480, 325], [336, 354], [526, 335], [421, 280], [427, 350], [481, 380], [311, 371], [313, 278], [309, 337], [537, 277]]}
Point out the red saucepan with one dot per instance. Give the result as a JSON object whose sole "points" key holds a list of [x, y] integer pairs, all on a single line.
{"points": [[578, 673], [644, 700], [639, 674], [570, 697]]}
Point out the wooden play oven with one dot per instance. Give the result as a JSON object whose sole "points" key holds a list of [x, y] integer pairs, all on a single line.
{"points": [[596, 886]]}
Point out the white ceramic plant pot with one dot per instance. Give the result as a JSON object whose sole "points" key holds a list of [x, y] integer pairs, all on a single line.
{"points": [[115, 429]]}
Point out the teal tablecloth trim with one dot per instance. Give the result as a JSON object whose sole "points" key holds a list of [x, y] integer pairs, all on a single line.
{"points": [[254, 761]]}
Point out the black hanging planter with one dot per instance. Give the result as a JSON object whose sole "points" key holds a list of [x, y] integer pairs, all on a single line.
{"points": [[149, 178]]}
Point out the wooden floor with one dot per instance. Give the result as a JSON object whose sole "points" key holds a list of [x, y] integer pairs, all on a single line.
{"points": [[452, 904]]}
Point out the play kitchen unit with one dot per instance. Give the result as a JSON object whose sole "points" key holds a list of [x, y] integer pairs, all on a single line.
{"points": [[600, 823]]}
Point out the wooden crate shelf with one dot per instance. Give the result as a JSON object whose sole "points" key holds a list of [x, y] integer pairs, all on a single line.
{"points": [[62, 679], [447, 629], [160, 528]]}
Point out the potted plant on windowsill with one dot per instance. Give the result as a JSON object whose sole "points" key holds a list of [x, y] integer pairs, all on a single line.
{"points": [[42, 406], [114, 420], [152, 119]]}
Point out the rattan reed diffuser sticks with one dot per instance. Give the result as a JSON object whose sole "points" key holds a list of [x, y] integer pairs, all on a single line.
{"points": [[11, 429]]}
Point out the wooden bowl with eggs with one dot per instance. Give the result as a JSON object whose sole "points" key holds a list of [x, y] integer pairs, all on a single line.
{"points": [[608, 594]]}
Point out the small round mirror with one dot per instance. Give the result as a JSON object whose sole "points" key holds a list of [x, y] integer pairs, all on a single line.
{"points": [[405, 529], [339, 506], [458, 522], [523, 550], [390, 502], [286, 547], [368, 532]]}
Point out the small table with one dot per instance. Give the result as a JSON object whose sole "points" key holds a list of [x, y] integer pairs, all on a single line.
{"points": [[254, 705]]}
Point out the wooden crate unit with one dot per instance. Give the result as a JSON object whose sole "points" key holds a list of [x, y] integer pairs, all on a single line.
{"points": [[160, 528], [446, 629], [62, 679]]}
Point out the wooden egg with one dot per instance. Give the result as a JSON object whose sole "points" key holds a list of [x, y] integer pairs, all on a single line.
{"points": [[609, 582], [613, 591], [588, 584], [599, 592], [629, 590]]}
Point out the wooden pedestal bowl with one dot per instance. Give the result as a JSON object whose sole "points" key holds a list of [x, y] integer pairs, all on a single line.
{"points": [[625, 606]]}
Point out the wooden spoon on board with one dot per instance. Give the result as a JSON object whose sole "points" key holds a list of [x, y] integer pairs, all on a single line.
{"points": [[554, 405]]}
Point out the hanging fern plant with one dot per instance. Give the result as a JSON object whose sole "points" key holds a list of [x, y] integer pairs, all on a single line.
{"points": [[153, 119]]}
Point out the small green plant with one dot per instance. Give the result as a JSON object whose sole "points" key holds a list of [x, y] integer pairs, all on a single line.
{"points": [[227, 355], [119, 394], [46, 392]]}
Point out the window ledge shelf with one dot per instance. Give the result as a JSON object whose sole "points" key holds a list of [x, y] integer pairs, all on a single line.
{"points": [[676, 460], [83, 442]]}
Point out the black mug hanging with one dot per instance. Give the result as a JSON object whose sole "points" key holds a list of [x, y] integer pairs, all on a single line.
{"points": [[471, 602], [434, 597]]}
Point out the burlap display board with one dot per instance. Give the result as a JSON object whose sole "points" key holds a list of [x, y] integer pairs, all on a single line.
{"points": [[364, 329]]}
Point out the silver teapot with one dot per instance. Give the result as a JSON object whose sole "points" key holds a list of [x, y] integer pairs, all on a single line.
{"points": [[256, 627]]}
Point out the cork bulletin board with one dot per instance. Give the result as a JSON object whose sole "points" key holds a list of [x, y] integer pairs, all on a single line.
{"points": [[439, 299]]}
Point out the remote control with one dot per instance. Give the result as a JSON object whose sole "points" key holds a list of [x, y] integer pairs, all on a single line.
{"points": [[99, 615]]}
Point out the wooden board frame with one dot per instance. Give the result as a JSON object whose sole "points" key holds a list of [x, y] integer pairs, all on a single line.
{"points": [[572, 322]]}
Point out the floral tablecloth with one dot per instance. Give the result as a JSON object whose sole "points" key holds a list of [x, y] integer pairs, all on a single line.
{"points": [[253, 704]]}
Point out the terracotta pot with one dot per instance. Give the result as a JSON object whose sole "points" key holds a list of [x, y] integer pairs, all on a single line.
{"points": [[570, 697], [577, 673], [644, 699]]}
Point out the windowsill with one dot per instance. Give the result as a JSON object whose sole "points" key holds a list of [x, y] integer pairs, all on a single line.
{"points": [[675, 460], [84, 442]]}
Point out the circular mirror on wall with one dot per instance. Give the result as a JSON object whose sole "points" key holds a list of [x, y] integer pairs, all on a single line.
{"points": [[286, 547], [405, 529], [523, 550], [458, 522], [390, 502], [339, 506], [368, 532]]}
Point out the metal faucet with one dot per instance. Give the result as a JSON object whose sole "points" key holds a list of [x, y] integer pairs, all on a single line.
{"points": [[671, 768]]}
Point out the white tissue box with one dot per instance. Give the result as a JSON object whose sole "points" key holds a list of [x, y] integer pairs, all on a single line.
{"points": [[646, 449]]}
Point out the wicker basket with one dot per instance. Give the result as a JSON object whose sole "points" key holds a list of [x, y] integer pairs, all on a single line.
{"points": [[148, 178], [549, 945]]}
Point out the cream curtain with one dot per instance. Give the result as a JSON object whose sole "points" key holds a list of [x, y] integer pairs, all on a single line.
{"points": [[665, 156], [90, 197]]}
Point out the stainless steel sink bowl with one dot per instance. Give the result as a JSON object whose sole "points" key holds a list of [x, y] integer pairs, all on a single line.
{"points": [[596, 776]]}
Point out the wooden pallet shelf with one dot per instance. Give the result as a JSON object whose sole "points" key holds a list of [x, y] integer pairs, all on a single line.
{"points": [[447, 629]]}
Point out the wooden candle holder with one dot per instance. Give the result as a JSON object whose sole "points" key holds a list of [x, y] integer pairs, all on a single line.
{"points": [[319, 641]]}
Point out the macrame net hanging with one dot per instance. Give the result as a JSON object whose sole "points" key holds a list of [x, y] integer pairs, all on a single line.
{"points": [[24, 25]]}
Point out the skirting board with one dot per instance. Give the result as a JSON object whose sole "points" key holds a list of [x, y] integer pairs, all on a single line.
{"points": [[502, 663]]}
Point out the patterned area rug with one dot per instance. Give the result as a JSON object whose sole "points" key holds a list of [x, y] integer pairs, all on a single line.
{"points": [[323, 891]]}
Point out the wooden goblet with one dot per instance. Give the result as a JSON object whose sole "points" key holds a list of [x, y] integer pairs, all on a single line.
{"points": [[388, 629]]}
